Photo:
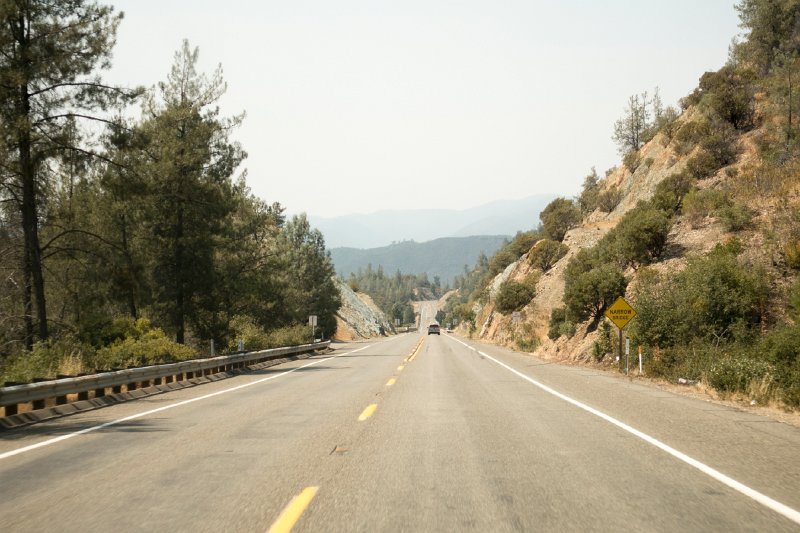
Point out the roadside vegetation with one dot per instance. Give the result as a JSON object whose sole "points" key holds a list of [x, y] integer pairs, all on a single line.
{"points": [[729, 318], [128, 234]]}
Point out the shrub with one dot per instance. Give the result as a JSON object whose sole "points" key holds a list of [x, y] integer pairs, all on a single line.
{"points": [[736, 217], [670, 192], [587, 294], [608, 200], [736, 373], [560, 324], [639, 238], [689, 135], [794, 300], [719, 296], [603, 345], [145, 345], [526, 340], [513, 296], [558, 217], [659, 321], [632, 160], [791, 250], [60, 355], [546, 253], [245, 328], [701, 203], [289, 336], [587, 201], [702, 165]]}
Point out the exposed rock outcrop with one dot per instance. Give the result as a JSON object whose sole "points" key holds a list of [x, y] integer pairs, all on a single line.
{"points": [[359, 317]]}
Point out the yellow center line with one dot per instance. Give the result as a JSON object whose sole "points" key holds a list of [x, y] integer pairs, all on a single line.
{"points": [[291, 514], [400, 368], [368, 412], [391, 382]]}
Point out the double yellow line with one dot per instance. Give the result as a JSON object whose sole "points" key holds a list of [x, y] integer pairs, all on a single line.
{"points": [[292, 512], [371, 408]]}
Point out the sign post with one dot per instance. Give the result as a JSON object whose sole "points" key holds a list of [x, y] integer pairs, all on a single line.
{"points": [[312, 321], [620, 313]]}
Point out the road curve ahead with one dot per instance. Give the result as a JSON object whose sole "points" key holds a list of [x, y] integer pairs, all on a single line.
{"points": [[412, 433]]}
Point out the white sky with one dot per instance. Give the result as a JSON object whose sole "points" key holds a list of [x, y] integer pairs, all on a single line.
{"points": [[357, 106]]}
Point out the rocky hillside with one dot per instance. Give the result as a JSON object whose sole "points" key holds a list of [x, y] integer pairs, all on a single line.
{"points": [[699, 228], [359, 317]]}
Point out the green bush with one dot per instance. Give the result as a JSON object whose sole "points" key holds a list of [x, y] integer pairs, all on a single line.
{"points": [[714, 298], [670, 193], [632, 160], [720, 296], [560, 324], [603, 345], [588, 293], [736, 217], [513, 296], [558, 217], [736, 373], [525, 339], [701, 203], [59, 355], [546, 253], [638, 239], [245, 328], [608, 200], [289, 336], [659, 319], [144, 346]]}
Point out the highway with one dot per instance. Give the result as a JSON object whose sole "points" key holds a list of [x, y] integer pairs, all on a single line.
{"points": [[409, 433]]}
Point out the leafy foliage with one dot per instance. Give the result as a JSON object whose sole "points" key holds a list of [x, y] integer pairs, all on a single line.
{"points": [[513, 296], [546, 253], [558, 217]]}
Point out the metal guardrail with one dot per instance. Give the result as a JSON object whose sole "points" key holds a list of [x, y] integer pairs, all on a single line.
{"points": [[133, 378]]}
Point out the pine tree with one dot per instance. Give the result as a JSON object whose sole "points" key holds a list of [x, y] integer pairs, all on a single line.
{"points": [[48, 54], [188, 177]]}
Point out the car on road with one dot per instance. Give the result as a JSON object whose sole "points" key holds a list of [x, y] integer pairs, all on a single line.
{"points": [[433, 329]]}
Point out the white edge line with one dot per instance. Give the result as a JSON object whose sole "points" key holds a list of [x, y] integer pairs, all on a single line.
{"points": [[48, 442], [763, 499]]}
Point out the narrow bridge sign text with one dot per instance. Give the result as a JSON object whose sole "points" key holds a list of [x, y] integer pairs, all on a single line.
{"points": [[620, 313]]}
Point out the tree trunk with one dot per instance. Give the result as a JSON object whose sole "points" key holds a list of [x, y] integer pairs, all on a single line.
{"points": [[27, 169], [131, 272], [180, 318], [27, 299], [30, 225]]}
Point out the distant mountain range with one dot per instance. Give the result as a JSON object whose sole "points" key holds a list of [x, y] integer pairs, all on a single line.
{"points": [[444, 257], [504, 217]]}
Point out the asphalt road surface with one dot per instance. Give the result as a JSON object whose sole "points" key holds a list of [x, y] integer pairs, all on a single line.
{"points": [[411, 433]]}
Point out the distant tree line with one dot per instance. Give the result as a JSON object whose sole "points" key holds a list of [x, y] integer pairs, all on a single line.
{"points": [[394, 293]]}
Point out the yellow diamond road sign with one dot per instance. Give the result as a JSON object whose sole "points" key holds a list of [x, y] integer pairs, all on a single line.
{"points": [[620, 313]]}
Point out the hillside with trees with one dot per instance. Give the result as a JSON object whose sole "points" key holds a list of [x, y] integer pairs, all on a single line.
{"points": [[699, 228], [128, 234], [441, 259]]}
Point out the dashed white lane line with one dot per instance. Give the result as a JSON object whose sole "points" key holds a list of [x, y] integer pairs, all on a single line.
{"points": [[778, 507], [61, 438]]}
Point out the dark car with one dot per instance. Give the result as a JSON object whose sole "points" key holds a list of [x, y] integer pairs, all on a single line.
{"points": [[433, 329]]}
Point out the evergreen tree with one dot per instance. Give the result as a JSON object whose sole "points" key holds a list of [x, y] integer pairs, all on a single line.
{"points": [[188, 178], [48, 54]]}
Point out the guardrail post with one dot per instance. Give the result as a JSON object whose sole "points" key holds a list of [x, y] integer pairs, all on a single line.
{"points": [[38, 404], [99, 392]]}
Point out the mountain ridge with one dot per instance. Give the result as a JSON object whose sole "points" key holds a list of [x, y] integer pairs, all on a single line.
{"points": [[381, 228], [444, 257]]}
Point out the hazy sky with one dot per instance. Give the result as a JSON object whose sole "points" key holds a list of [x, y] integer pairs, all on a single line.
{"points": [[358, 106]]}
